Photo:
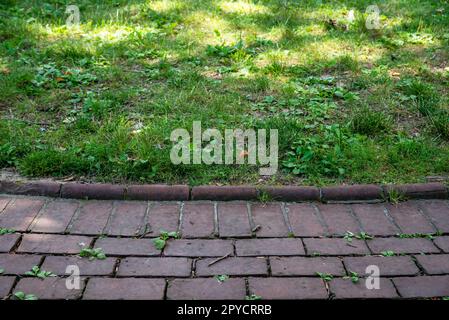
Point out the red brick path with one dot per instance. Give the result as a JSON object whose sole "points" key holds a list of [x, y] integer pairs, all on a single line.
{"points": [[273, 250]]}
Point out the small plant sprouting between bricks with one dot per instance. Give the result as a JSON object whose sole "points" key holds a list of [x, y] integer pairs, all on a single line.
{"points": [[2, 270], [95, 253], [4, 231], [354, 276], [253, 297], [388, 253], [349, 236], [19, 295], [429, 236], [222, 278], [325, 276], [38, 273], [160, 242]]}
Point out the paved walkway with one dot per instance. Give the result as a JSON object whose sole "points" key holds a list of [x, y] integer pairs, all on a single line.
{"points": [[273, 251]]}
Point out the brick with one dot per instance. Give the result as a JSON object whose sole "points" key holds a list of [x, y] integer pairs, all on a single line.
{"points": [[399, 245], [48, 243], [269, 247], [354, 192], [128, 289], [421, 190], [335, 247], [288, 288], [55, 216], [224, 193], [58, 265], [37, 188], [158, 192], [422, 287], [93, 191], [346, 289], [338, 219], [3, 203], [409, 219], [127, 247], [304, 266], [127, 218], [19, 214], [51, 288], [91, 218], [292, 193], [373, 219], [388, 266], [438, 212], [6, 284], [8, 241], [198, 248], [198, 220], [270, 219], [18, 264], [155, 267], [233, 220], [304, 221], [163, 216], [239, 266], [441, 242], [435, 263], [206, 289]]}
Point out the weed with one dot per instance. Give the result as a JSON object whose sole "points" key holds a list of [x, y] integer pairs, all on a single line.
{"points": [[221, 278], [39, 273], [4, 231], [253, 297], [325, 276], [354, 276], [19, 295], [160, 242], [92, 254], [388, 253]]}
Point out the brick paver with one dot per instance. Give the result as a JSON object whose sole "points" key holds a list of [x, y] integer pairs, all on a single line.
{"points": [[124, 289], [400, 245], [58, 265], [240, 266], [51, 243], [346, 289], [435, 263], [305, 221], [198, 220], [388, 266], [233, 220], [127, 247], [442, 243], [339, 219], [409, 218], [155, 267], [92, 218], [163, 217], [288, 288], [127, 218], [18, 264], [51, 288], [55, 217], [269, 247], [269, 220], [19, 213], [421, 287], [198, 248], [306, 266], [373, 219], [335, 247], [437, 211], [6, 284], [8, 241], [206, 289]]}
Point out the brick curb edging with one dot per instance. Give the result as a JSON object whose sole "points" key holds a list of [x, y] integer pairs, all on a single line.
{"points": [[159, 192]]}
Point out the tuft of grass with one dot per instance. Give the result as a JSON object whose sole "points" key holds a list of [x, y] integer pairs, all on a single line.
{"points": [[370, 122]]}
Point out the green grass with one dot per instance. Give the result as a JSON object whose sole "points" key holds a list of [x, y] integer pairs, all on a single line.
{"points": [[100, 100]]}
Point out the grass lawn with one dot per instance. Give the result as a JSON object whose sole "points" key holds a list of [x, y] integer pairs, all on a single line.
{"points": [[98, 101]]}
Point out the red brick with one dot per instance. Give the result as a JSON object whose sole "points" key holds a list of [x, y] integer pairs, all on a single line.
{"points": [[374, 220], [224, 193], [270, 219], [233, 220], [292, 193], [155, 267], [288, 288], [51, 288], [338, 219], [198, 220], [19, 214], [93, 191], [6, 284], [269, 247], [158, 192], [304, 266], [3, 203], [128, 289], [409, 219], [206, 289], [354, 192], [441, 242], [346, 289], [433, 190], [388, 266], [435, 263], [58, 265], [232, 266], [127, 218], [198, 248], [127, 247], [399, 245], [304, 221], [423, 287], [438, 211], [35, 188], [335, 247], [18, 264], [55, 217], [48, 243], [92, 218], [163, 216], [8, 241]]}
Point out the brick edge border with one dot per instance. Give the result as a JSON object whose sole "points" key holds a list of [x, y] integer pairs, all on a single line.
{"points": [[159, 192]]}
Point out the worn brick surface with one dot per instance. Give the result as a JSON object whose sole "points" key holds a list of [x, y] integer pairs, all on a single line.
{"points": [[399, 245], [233, 220], [304, 221], [6, 284], [442, 243], [127, 247], [48, 243], [8, 241], [163, 216], [206, 289], [305, 266], [198, 248], [3, 203], [19, 214], [423, 287], [51, 288], [92, 218], [335, 247], [55, 216], [198, 220], [239, 266], [409, 219], [374, 220], [435, 263], [127, 218], [346, 289], [438, 212], [338, 219], [270, 219], [155, 267], [288, 288], [269, 247], [18, 264], [58, 265], [388, 266], [124, 289]]}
